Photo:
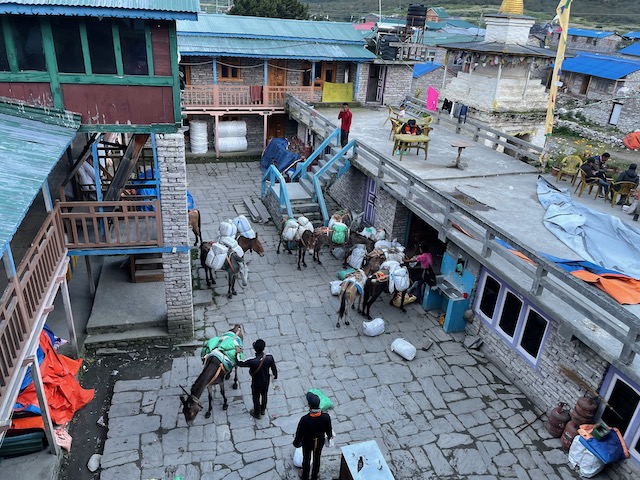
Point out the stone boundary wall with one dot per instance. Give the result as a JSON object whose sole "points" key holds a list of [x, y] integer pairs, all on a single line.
{"points": [[176, 266], [594, 135]]}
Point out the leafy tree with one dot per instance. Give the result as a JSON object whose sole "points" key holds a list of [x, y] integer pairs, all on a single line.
{"points": [[271, 8]]}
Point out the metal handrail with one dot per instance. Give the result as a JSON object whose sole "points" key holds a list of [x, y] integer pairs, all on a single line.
{"points": [[273, 176], [317, 188], [301, 168]]}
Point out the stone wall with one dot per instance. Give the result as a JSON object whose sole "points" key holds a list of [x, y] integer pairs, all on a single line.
{"points": [[361, 94], [176, 266], [397, 84], [201, 70], [349, 190], [586, 44]]}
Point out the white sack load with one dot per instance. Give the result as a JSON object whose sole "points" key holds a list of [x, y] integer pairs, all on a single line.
{"points": [[394, 253], [588, 464], [335, 287], [216, 256], [399, 279], [373, 328], [227, 228], [390, 265], [403, 348], [244, 227], [368, 232], [290, 230], [233, 245], [383, 244], [357, 256], [305, 223], [380, 235]]}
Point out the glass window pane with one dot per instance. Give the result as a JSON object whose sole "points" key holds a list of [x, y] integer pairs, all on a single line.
{"points": [[134, 47], [489, 296], [103, 57], [623, 402], [533, 333], [4, 61], [328, 76], [66, 39], [28, 43], [510, 314]]}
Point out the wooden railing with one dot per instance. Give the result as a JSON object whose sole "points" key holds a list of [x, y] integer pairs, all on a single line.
{"points": [[199, 97], [415, 52], [111, 224]]}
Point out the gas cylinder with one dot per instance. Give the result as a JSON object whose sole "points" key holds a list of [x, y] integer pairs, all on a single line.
{"points": [[557, 419], [586, 407], [579, 419], [570, 431]]}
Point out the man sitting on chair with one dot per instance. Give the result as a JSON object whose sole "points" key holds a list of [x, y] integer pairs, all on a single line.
{"points": [[411, 128], [592, 174]]}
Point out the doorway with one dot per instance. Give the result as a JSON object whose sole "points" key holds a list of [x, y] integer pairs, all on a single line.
{"points": [[375, 83], [277, 73], [276, 125]]}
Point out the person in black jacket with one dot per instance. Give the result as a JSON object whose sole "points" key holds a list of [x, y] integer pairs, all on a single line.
{"points": [[260, 378], [629, 175], [310, 434]]}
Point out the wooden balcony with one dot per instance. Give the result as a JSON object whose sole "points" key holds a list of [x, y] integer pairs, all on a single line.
{"points": [[411, 52], [239, 98]]}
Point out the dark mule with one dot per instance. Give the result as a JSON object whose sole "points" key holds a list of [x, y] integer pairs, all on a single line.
{"points": [[251, 245], [351, 290], [213, 373], [194, 223], [306, 242], [377, 283], [322, 235], [234, 265]]}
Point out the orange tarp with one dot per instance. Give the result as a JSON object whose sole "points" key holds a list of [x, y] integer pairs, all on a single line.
{"points": [[64, 394], [632, 141], [624, 290]]}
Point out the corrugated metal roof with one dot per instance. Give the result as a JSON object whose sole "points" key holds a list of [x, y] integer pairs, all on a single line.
{"points": [[602, 66], [444, 38], [216, 25], [440, 11], [31, 144], [633, 49], [632, 35], [156, 9], [261, 48], [502, 48], [581, 32], [420, 69]]}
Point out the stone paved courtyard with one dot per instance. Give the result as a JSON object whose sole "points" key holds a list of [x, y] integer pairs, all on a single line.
{"points": [[447, 414]]}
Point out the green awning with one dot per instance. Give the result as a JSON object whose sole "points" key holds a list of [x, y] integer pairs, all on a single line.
{"points": [[32, 141]]}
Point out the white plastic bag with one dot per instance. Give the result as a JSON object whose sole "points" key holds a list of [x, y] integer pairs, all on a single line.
{"points": [[368, 232], [403, 348], [290, 230], [244, 227], [335, 287], [380, 235], [216, 256], [297, 457], [233, 245], [394, 253], [589, 465], [401, 280], [390, 265], [357, 256], [373, 328], [227, 228]]}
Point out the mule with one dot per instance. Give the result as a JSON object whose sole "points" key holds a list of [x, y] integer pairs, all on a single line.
{"points": [[377, 283], [250, 245], [196, 227], [306, 242], [213, 373], [234, 265], [351, 289]]}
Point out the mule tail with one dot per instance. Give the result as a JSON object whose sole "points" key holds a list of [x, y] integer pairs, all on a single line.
{"points": [[343, 305]]}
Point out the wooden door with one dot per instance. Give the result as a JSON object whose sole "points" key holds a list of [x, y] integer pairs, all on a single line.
{"points": [[370, 202], [276, 126], [277, 73]]}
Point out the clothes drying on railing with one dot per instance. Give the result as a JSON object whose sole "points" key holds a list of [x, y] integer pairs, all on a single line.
{"points": [[277, 154]]}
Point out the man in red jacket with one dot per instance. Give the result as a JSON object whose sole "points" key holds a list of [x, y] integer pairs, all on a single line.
{"points": [[345, 116]]}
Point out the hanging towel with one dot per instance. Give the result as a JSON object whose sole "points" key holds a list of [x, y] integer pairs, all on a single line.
{"points": [[256, 93], [446, 105], [462, 117], [432, 99], [456, 110]]}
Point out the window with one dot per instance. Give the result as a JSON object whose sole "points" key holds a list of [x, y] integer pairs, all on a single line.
{"points": [[103, 56], [431, 56], [134, 47], [623, 409], [66, 39], [28, 43], [306, 74], [325, 72], [4, 60], [228, 69], [517, 322]]}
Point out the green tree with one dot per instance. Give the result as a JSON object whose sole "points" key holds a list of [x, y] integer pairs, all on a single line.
{"points": [[271, 8]]}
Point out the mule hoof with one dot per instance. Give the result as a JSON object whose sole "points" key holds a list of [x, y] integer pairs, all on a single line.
{"points": [[346, 322], [299, 268], [229, 296], [304, 265], [207, 415], [235, 386], [404, 311], [338, 325], [234, 293], [225, 406]]}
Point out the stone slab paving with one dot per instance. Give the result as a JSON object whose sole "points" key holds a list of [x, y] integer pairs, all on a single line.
{"points": [[447, 414]]}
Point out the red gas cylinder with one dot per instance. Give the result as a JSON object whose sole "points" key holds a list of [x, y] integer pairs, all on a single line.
{"points": [[570, 431], [586, 407], [557, 419], [579, 419]]}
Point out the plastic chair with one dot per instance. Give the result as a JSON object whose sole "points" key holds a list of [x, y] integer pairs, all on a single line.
{"points": [[396, 125], [570, 166], [624, 188], [584, 183]]}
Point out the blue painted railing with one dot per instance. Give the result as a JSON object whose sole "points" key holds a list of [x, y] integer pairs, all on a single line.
{"points": [[276, 179], [319, 197], [301, 168]]}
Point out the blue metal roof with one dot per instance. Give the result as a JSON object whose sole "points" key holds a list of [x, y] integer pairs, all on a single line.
{"points": [[153, 9], [216, 25], [633, 49], [581, 32], [634, 35], [32, 141], [602, 66], [420, 69]]}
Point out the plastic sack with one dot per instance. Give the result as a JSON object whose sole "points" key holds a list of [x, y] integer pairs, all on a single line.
{"points": [[339, 234], [290, 229], [343, 273], [244, 227], [227, 229], [232, 244], [304, 222], [401, 280], [380, 235], [216, 256], [325, 402], [586, 462], [403, 348], [394, 253], [335, 287], [373, 328], [382, 244], [397, 299], [390, 265], [297, 457], [357, 256], [368, 232]]}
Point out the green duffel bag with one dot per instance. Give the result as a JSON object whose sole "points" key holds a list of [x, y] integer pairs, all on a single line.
{"points": [[339, 235]]}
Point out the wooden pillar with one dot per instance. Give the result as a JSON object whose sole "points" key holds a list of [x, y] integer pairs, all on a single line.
{"points": [[264, 130], [66, 301], [446, 66], [54, 448]]}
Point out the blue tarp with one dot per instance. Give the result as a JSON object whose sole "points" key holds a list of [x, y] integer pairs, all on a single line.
{"points": [[633, 49], [608, 449], [420, 69], [277, 154], [601, 66]]}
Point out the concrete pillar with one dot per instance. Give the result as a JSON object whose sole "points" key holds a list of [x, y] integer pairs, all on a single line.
{"points": [[177, 266]]}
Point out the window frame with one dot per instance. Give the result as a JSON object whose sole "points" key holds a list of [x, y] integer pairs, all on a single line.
{"points": [[318, 83], [493, 323], [235, 63]]}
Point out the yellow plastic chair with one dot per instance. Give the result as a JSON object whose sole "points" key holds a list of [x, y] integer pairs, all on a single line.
{"points": [[570, 166], [584, 183], [624, 188]]}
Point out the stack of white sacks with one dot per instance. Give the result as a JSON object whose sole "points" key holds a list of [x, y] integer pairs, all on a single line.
{"points": [[227, 233], [294, 229]]}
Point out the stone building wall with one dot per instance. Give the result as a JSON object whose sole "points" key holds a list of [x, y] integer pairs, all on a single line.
{"points": [[176, 266], [361, 94], [349, 190], [201, 70], [397, 84], [587, 44]]}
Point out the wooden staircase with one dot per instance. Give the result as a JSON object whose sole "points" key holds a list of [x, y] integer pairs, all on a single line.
{"points": [[146, 267]]}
